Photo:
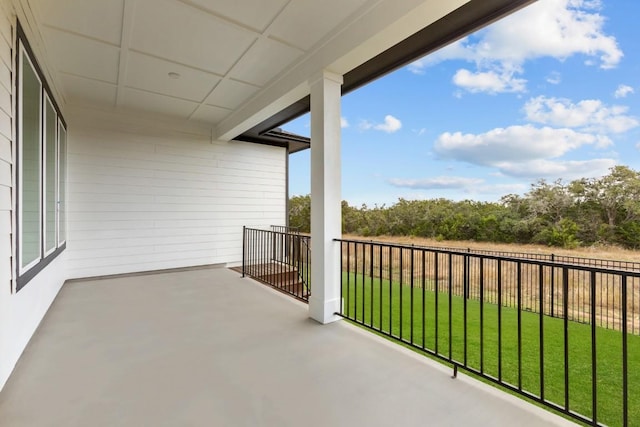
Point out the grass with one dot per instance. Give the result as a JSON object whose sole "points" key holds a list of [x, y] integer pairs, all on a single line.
{"points": [[376, 303]]}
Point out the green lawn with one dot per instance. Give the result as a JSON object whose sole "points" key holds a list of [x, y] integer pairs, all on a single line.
{"points": [[382, 309]]}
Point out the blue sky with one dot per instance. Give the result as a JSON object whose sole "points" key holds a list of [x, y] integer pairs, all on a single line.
{"points": [[552, 91]]}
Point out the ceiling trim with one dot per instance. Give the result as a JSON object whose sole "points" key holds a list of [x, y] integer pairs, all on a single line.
{"points": [[463, 21], [279, 138]]}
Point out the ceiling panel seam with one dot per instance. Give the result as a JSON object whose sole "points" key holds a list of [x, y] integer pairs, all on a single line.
{"points": [[240, 26], [125, 38]]}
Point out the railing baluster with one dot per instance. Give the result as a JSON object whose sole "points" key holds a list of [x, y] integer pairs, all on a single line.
{"points": [[381, 281], [519, 290], [437, 288], [499, 320], [391, 290], [565, 309], [349, 279], [553, 290], [424, 314], [364, 272], [412, 273], [594, 354], [450, 305], [401, 286], [371, 282], [355, 279], [541, 327], [481, 284], [465, 291], [342, 293], [625, 360]]}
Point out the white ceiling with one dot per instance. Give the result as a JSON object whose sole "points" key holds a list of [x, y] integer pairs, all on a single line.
{"points": [[120, 53]]}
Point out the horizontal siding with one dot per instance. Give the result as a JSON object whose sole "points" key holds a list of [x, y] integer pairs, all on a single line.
{"points": [[5, 28], [5, 176], [5, 154], [5, 101], [5, 71], [5, 122], [5, 198], [5, 248], [144, 202], [5, 149], [9, 322]]}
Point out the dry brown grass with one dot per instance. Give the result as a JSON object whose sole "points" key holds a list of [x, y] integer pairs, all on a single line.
{"points": [[600, 252]]}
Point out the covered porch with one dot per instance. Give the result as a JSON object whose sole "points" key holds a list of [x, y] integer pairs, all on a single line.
{"points": [[207, 347]]}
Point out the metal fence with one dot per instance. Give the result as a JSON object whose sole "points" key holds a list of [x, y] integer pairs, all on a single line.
{"points": [[280, 257], [563, 259], [563, 334]]}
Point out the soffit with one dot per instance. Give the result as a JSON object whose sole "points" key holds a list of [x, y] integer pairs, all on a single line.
{"points": [[242, 64], [122, 54]]}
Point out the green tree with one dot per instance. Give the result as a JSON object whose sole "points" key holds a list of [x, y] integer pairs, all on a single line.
{"points": [[300, 212]]}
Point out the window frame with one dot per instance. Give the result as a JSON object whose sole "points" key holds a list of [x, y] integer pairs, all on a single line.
{"points": [[22, 53], [31, 270], [45, 175], [61, 156]]}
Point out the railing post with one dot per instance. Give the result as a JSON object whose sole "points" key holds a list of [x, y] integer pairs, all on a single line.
{"points": [[553, 291], [244, 250], [466, 274]]}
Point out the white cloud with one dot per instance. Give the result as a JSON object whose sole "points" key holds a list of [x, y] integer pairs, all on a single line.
{"points": [[437, 183], [547, 28], [572, 169], [588, 115], [488, 81], [525, 151], [513, 144], [554, 78], [462, 185], [390, 125], [344, 123], [622, 91]]}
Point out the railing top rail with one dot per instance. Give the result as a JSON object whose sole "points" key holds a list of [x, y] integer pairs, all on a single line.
{"points": [[465, 252], [285, 228]]}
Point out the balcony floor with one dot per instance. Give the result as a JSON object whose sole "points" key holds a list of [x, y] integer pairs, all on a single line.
{"points": [[206, 347]]}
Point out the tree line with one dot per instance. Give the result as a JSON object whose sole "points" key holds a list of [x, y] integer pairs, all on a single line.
{"points": [[583, 212]]}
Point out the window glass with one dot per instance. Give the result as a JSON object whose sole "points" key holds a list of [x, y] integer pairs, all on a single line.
{"points": [[29, 203], [62, 179], [50, 202]]}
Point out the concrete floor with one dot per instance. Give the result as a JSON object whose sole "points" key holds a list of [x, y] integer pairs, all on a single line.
{"points": [[208, 348]]}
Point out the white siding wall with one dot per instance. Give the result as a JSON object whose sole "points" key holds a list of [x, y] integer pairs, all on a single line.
{"points": [[6, 161], [141, 198], [20, 313]]}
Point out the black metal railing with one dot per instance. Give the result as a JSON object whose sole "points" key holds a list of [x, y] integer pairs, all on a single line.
{"points": [[562, 334], [279, 257], [563, 259]]}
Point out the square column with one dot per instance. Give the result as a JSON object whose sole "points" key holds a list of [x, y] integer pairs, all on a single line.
{"points": [[326, 201]]}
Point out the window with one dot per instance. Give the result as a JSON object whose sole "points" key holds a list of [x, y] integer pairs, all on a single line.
{"points": [[50, 177], [42, 144], [62, 174], [29, 165]]}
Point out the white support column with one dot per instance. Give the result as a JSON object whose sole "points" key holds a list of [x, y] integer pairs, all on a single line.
{"points": [[326, 202]]}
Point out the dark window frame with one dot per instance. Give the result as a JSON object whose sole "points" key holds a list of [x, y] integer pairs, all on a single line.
{"points": [[45, 260]]}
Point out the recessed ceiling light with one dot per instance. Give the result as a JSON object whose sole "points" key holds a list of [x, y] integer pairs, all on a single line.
{"points": [[174, 75]]}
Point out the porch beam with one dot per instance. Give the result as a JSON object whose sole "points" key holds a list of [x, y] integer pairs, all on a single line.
{"points": [[326, 216]]}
